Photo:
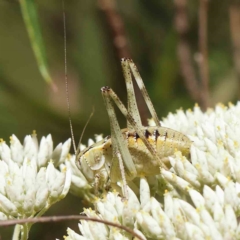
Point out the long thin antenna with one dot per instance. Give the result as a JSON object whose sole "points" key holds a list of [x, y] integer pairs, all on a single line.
{"points": [[66, 76], [80, 140]]}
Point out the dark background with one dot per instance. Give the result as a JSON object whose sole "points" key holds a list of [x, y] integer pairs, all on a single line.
{"points": [[154, 33]]}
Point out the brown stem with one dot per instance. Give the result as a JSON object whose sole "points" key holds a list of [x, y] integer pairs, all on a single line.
{"points": [[116, 27], [203, 63], [234, 15], [119, 40], [5, 223], [198, 92], [184, 51]]}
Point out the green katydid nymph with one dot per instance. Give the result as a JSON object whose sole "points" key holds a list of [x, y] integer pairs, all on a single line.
{"points": [[132, 152]]}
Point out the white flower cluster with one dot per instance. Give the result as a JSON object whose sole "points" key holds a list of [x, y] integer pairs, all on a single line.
{"points": [[29, 181], [209, 217], [203, 196], [215, 151]]}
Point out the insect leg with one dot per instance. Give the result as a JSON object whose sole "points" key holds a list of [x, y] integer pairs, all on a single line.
{"points": [[121, 166], [132, 104], [143, 90], [109, 94], [96, 184], [119, 144]]}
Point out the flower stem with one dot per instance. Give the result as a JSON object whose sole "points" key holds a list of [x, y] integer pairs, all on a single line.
{"points": [[16, 232], [25, 231]]}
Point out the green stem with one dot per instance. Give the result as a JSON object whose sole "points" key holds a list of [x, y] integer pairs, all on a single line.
{"points": [[38, 215], [16, 232], [25, 232]]}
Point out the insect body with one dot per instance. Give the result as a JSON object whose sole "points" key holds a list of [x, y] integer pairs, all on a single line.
{"points": [[135, 151]]}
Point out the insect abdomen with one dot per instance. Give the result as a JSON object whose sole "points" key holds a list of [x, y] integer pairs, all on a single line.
{"points": [[164, 140], [169, 141]]}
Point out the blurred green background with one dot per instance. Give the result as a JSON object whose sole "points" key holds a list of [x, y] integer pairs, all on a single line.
{"points": [[28, 103]]}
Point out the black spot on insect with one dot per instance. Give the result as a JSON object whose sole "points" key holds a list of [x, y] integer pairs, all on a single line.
{"points": [[156, 134], [147, 133], [165, 136], [136, 136], [128, 134]]}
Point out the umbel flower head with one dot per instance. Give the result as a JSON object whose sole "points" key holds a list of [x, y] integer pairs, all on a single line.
{"points": [[202, 194], [29, 181]]}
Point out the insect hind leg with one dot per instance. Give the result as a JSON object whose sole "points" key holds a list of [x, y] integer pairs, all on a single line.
{"points": [[144, 92], [131, 99], [121, 154]]}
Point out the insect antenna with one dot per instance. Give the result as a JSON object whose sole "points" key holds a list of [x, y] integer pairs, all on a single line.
{"points": [[85, 126], [76, 149], [66, 76]]}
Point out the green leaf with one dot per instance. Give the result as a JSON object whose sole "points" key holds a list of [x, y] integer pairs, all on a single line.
{"points": [[30, 17]]}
